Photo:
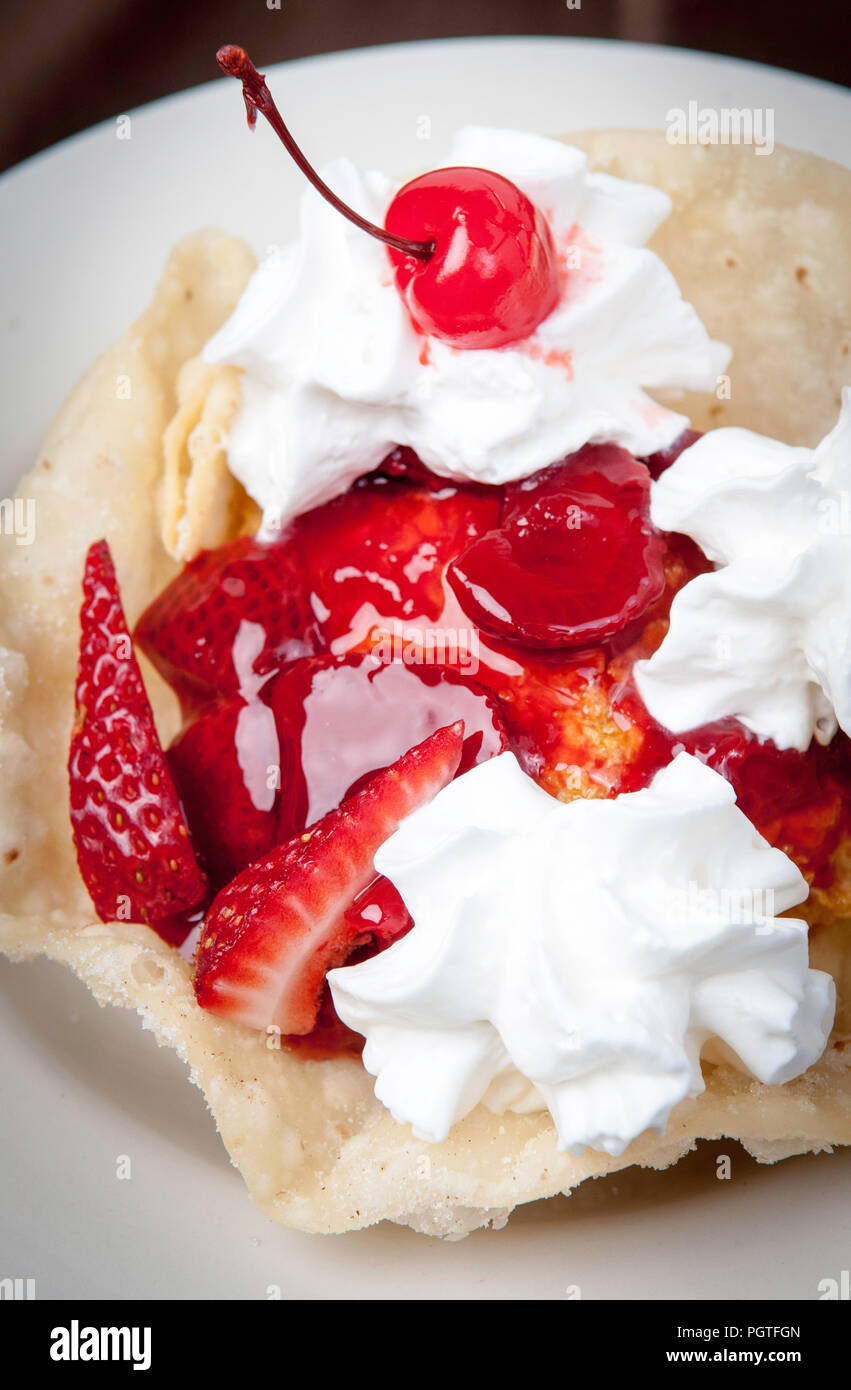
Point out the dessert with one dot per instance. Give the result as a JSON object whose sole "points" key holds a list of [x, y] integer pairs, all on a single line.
{"points": [[422, 813]]}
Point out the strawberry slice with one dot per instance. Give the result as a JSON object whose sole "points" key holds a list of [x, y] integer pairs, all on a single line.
{"points": [[380, 911], [272, 935], [132, 842], [189, 630]]}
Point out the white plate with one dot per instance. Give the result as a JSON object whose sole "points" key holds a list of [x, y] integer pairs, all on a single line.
{"points": [[86, 228]]}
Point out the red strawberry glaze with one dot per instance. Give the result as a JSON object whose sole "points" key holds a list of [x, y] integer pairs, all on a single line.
{"points": [[658, 462], [379, 909], [372, 578], [574, 718], [382, 548], [341, 719], [229, 828], [404, 463], [579, 531]]}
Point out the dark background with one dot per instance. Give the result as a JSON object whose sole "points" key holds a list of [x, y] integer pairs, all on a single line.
{"points": [[69, 63]]}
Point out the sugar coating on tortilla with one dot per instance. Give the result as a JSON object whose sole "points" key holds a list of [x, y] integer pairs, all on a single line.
{"points": [[316, 1149]]}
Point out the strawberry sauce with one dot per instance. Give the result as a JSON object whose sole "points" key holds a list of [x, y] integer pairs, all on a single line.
{"points": [[433, 601], [572, 713], [410, 603]]}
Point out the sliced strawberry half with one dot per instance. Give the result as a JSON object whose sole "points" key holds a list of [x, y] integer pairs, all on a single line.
{"points": [[132, 842], [272, 935], [380, 911], [189, 630]]}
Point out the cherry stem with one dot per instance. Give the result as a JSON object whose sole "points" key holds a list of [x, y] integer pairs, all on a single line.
{"points": [[236, 63]]}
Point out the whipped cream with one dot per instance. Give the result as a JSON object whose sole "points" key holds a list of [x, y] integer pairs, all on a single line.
{"points": [[579, 956], [336, 375], [767, 636]]}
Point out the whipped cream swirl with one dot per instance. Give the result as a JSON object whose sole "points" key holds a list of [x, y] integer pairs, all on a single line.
{"points": [[767, 636], [578, 957], [336, 375]]}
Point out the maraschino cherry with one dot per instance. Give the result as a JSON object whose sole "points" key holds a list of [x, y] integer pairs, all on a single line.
{"points": [[492, 278], [473, 258]]}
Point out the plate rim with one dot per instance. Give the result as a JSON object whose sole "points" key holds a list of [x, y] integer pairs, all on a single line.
{"points": [[660, 51], [228, 1237]]}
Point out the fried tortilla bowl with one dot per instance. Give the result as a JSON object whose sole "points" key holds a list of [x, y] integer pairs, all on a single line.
{"points": [[759, 247]]}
